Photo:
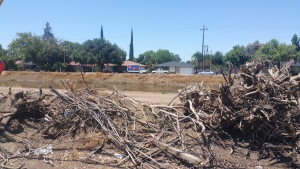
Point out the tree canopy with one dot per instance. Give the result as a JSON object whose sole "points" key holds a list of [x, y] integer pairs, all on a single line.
{"points": [[197, 58], [27, 47], [278, 52], [217, 58], [98, 51], [296, 41], [160, 56], [236, 56], [251, 49], [50, 53]]}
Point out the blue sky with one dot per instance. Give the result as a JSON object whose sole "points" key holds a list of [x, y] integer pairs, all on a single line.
{"points": [[157, 24]]}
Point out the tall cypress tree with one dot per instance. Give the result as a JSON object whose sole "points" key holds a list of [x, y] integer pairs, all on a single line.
{"points": [[131, 47], [101, 34]]}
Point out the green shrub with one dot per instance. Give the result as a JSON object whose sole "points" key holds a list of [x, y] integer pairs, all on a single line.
{"points": [[58, 66]]}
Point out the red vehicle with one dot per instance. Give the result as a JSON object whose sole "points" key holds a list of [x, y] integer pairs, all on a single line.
{"points": [[2, 66]]}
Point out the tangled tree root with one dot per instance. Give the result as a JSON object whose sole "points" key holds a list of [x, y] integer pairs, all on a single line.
{"points": [[265, 108]]}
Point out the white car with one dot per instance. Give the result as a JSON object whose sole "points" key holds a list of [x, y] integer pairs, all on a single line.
{"points": [[143, 71], [206, 73], [160, 71]]}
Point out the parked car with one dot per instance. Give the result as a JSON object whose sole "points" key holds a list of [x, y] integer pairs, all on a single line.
{"points": [[159, 71], [206, 73], [144, 71], [37, 69], [107, 71]]}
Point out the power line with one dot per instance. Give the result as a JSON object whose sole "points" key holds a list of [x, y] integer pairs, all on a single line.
{"points": [[258, 26], [203, 46]]}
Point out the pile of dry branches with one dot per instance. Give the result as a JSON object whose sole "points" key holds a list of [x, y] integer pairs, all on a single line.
{"points": [[251, 103], [266, 107], [161, 136]]}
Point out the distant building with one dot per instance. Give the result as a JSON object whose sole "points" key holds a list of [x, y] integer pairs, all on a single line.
{"points": [[75, 66], [25, 65], [177, 67], [123, 68]]}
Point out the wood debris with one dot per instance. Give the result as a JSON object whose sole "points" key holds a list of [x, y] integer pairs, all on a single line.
{"points": [[265, 108]]}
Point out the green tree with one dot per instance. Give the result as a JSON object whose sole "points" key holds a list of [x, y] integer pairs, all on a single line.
{"points": [[100, 52], [53, 53], [296, 41], [131, 57], [2, 51], [27, 47], [160, 56], [217, 58], [101, 33], [251, 49], [163, 55], [236, 56], [48, 32], [96, 51], [177, 58], [8, 61], [146, 58], [68, 47], [75, 49], [58, 66], [188, 62], [117, 56], [197, 57], [277, 52]]}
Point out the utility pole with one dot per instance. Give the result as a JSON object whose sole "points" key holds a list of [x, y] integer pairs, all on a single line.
{"points": [[203, 46], [207, 50], [210, 60], [205, 53], [64, 56]]}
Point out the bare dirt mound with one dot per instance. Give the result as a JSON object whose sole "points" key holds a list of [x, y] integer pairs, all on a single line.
{"points": [[120, 78]]}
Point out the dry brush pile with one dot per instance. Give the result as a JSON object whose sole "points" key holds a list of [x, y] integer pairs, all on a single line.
{"points": [[191, 134]]}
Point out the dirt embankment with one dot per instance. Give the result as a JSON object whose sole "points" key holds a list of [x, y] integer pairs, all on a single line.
{"points": [[123, 78]]}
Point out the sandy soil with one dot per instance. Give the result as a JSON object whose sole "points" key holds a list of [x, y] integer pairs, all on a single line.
{"points": [[144, 97], [117, 78], [153, 97]]}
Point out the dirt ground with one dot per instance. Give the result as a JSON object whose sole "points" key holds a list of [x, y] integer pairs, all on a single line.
{"points": [[144, 97], [119, 78]]}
